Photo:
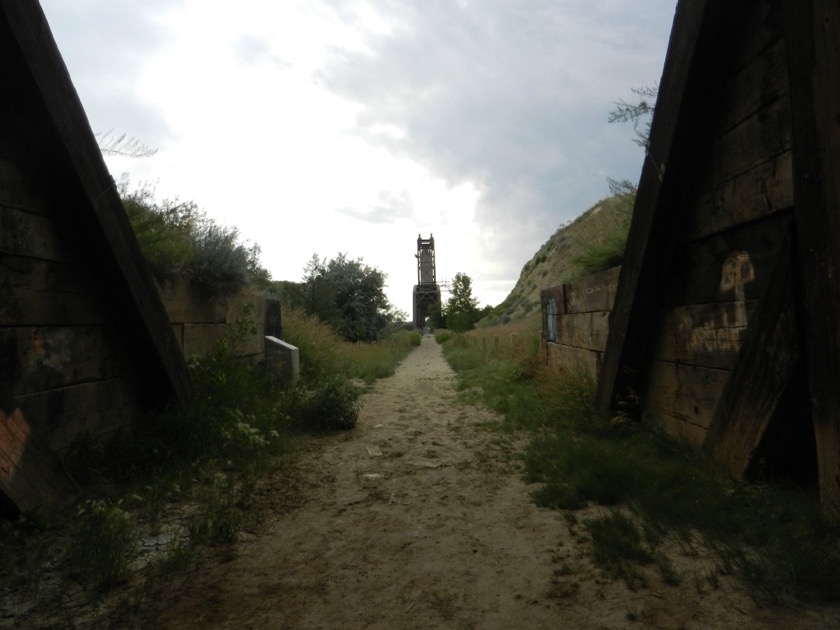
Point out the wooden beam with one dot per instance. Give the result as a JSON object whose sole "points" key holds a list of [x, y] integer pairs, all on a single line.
{"points": [[696, 49], [69, 155], [813, 38], [764, 369], [31, 477]]}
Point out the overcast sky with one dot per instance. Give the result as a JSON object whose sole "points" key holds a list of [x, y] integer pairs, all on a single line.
{"points": [[328, 126]]}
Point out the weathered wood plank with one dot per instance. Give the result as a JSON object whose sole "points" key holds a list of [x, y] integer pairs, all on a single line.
{"points": [[584, 330], [59, 416], [758, 29], [51, 309], [700, 271], [73, 171], [753, 142], [756, 194], [683, 392], [700, 38], [201, 340], [31, 476], [186, 304], [49, 357], [678, 428], [16, 191], [37, 292], [814, 63], [23, 273], [595, 292], [764, 369], [569, 359], [754, 87], [33, 236], [245, 306], [273, 320], [706, 335]]}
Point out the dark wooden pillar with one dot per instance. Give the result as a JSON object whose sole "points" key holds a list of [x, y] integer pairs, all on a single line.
{"points": [[813, 39]]}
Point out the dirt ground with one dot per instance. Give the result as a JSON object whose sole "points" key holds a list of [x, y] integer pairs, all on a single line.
{"points": [[419, 518]]}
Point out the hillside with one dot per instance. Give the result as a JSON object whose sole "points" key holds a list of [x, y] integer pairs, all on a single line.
{"points": [[592, 242]]}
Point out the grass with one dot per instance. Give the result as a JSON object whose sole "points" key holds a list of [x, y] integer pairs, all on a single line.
{"points": [[601, 245], [772, 536], [617, 547], [202, 461]]}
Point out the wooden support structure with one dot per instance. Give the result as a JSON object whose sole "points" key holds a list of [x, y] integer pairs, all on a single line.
{"points": [[761, 376], [813, 44], [85, 343], [650, 243], [725, 320], [78, 172]]}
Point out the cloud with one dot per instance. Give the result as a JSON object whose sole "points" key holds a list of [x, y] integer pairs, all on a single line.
{"points": [[352, 125], [110, 40], [511, 96], [389, 208]]}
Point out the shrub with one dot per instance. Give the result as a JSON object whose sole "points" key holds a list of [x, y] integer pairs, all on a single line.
{"points": [[181, 242], [331, 405], [219, 264], [104, 543]]}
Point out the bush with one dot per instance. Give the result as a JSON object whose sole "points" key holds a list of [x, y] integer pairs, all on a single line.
{"points": [[219, 264], [331, 405], [104, 543], [181, 242]]}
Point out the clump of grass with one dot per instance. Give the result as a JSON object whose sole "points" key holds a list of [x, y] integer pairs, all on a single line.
{"points": [[443, 337], [218, 521], [602, 245], [331, 406], [103, 543], [617, 547]]}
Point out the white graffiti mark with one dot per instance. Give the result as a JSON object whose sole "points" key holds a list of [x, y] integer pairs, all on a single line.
{"points": [[712, 335], [737, 272], [723, 332]]}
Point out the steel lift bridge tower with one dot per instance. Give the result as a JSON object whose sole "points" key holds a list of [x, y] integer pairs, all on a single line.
{"points": [[427, 290]]}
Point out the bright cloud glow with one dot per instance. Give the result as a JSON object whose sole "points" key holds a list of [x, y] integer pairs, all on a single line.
{"points": [[328, 126]]}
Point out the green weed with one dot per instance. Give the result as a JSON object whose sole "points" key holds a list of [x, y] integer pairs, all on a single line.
{"points": [[602, 245], [617, 547], [219, 518], [331, 406], [103, 544]]}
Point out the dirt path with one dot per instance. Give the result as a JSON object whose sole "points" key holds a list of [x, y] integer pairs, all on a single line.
{"points": [[418, 519]]}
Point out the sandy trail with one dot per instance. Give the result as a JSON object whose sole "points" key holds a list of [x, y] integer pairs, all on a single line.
{"points": [[419, 519]]}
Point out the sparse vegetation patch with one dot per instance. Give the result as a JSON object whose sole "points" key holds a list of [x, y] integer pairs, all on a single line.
{"points": [[770, 535]]}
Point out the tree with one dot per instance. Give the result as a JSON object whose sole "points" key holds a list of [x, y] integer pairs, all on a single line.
{"points": [[349, 296], [123, 145], [435, 315], [462, 310], [639, 113]]}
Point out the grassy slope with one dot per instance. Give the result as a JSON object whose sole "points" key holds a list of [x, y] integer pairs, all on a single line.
{"points": [[556, 261]]}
